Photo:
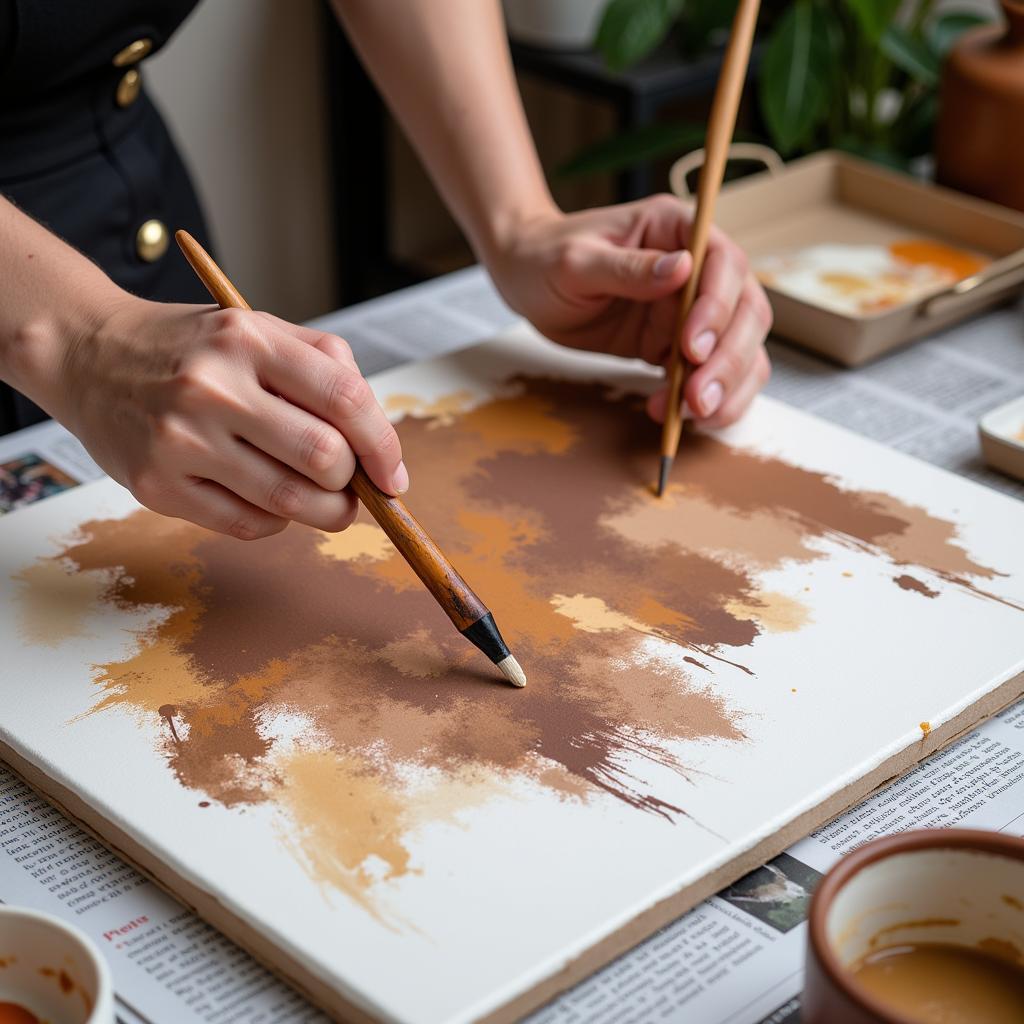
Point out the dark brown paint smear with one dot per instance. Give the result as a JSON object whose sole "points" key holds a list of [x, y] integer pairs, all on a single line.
{"points": [[521, 492], [906, 582]]}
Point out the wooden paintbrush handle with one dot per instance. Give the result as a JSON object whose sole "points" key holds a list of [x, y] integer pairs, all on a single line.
{"points": [[427, 560], [721, 124]]}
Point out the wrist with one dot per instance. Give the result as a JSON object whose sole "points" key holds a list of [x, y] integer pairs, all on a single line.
{"points": [[36, 354], [506, 227]]}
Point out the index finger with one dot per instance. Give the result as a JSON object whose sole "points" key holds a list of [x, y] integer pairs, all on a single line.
{"points": [[334, 390]]}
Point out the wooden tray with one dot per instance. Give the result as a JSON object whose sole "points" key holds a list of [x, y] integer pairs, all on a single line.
{"points": [[832, 197]]}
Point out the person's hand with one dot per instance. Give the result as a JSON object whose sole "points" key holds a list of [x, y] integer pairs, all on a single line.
{"points": [[608, 280], [237, 421]]}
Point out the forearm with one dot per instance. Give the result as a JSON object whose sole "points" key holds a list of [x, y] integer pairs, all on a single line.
{"points": [[52, 298], [445, 70]]}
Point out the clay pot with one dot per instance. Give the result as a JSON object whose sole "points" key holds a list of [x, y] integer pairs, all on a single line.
{"points": [[980, 139], [926, 879]]}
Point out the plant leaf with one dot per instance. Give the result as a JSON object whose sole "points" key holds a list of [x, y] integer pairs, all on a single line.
{"points": [[874, 16], [911, 54], [945, 30], [623, 151], [630, 29], [795, 75]]}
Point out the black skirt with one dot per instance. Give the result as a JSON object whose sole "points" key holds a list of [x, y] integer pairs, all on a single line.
{"points": [[79, 159]]}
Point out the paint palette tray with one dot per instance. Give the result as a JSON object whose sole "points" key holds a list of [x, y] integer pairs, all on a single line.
{"points": [[1002, 437], [858, 260]]}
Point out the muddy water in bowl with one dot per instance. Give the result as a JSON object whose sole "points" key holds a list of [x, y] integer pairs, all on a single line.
{"points": [[922, 928], [50, 973]]}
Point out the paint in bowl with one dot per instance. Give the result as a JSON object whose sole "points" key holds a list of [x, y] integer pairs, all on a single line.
{"points": [[919, 928], [50, 973]]}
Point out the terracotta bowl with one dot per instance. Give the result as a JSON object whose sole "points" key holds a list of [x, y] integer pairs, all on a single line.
{"points": [[957, 886], [52, 969]]}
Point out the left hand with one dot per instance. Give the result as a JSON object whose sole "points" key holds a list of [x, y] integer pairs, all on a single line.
{"points": [[608, 280]]}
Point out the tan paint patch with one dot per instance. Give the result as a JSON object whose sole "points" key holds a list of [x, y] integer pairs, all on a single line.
{"points": [[56, 600], [592, 615], [772, 611], [360, 540]]}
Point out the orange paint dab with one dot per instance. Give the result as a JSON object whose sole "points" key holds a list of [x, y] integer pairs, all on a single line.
{"points": [[923, 252], [926, 727]]}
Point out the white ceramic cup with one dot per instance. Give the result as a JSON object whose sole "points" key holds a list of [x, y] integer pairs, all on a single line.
{"points": [[53, 970]]}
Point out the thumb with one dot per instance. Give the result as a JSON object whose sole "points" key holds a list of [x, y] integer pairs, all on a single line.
{"points": [[640, 274]]}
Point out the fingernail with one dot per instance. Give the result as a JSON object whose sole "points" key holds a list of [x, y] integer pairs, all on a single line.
{"points": [[703, 344], [710, 398], [401, 481], [665, 266]]}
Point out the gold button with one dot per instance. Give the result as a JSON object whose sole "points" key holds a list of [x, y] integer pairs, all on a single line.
{"points": [[128, 88], [151, 240], [133, 53]]}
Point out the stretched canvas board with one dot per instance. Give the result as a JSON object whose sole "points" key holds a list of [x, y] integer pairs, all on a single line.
{"points": [[291, 736]]}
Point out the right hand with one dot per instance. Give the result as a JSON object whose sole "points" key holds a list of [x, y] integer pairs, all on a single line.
{"points": [[235, 420]]}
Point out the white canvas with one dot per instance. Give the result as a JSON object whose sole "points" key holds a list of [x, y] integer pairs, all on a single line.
{"points": [[494, 879]]}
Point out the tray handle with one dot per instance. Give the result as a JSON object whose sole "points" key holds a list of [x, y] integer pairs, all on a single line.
{"points": [[975, 286], [754, 151]]}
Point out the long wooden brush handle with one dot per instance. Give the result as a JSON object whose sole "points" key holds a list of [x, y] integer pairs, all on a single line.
{"points": [[721, 124], [427, 560]]}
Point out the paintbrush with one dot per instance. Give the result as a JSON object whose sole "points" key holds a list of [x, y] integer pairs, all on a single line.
{"points": [[450, 590], [721, 123]]}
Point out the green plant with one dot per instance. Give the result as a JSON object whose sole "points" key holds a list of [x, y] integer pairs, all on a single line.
{"points": [[859, 75]]}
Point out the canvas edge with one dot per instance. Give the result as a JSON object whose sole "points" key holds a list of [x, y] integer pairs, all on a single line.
{"points": [[613, 945]]}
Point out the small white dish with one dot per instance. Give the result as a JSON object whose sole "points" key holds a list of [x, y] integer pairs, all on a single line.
{"points": [[1002, 437], [53, 970]]}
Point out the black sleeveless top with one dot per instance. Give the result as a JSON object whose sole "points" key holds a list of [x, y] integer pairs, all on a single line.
{"points": [[84, 151]]}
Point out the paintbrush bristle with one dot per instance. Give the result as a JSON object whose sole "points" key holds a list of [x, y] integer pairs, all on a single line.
{"points": [[512, 671], [663, 472]]}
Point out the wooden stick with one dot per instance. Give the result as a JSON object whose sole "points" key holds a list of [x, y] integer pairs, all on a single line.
{"points": [[721, 123], [468, 613]]}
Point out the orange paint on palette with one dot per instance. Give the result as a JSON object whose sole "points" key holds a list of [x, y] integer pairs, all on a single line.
{"points": [[925, 252]]}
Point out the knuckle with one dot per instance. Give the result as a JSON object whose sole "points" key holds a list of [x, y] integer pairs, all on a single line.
{"points": [[149, 487], [340, 348], [347, 394], [763, 311], [664, 202], [195, 383], [320, 447], [387, 444], [730, 365], [286, 498], [249, 527]]}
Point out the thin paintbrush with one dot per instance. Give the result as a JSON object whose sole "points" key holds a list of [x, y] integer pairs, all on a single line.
{"points": [[716, 149], [450, 590]]}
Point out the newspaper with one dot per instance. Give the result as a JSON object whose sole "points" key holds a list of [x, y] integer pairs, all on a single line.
{"points": [[735, 959]]}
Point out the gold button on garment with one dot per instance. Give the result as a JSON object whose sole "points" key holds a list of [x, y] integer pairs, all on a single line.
{"points": [[128, 88], [133, 53], [151, 240]]}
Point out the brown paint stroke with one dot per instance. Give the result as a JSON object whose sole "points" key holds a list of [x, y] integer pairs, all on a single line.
{"points": [[541, 498], [907, 582]]}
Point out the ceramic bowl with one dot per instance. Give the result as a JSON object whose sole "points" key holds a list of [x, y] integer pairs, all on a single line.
{"points": [[958, 886], [1002, 438], [53, 970]]}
